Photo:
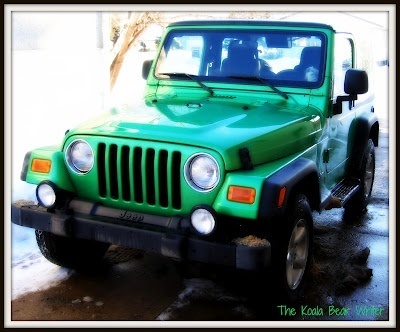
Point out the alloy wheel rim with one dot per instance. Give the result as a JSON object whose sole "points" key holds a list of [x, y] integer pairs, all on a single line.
{"points": [[297, 254], [369, 175]]}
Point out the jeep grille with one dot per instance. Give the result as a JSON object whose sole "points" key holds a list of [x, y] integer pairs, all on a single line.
{"points": [[140, 175]]}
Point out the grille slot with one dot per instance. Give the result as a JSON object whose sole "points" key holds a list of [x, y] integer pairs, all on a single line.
{"points": [[113, 178], [149, 176], [139, 175]]}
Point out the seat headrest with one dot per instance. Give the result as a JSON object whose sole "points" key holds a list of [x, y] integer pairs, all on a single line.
{"points": [[310, 57], [241, 49]]}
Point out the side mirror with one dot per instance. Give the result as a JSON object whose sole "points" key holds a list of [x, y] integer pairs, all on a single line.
{"points": [[355, 83], [146, 68]]}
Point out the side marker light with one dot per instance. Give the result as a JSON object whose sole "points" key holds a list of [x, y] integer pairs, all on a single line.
{"points": [[281, 198]]}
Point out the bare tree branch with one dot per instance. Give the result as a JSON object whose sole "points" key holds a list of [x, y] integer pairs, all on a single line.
{"points": [[129, 32], [137, 24]]}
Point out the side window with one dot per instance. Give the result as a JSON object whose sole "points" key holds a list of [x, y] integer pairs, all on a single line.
{"points": [[343, 61]]}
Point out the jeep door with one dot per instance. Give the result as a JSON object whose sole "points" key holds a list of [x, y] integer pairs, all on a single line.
{"points": [[336, 153]]}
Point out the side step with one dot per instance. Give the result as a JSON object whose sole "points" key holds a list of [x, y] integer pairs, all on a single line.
{"points": [[342, 192]]}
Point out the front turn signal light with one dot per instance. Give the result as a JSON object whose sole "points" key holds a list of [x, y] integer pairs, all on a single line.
{"points": [[41, 165], [241, 194]]}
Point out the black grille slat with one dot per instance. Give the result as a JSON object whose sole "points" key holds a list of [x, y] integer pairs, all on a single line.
{"points": [[125, 179], [163, 178], [176, 180], [150, 181], [139, 175], [101, 164], [113, 170]]}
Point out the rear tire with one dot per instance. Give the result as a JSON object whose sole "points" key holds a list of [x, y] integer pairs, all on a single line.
{"points": [[71, 253], [292, 250], [357, 205]]}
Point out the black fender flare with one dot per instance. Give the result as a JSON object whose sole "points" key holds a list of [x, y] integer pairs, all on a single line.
{"points": [[301, 172], [362, 129], [25, 166]]}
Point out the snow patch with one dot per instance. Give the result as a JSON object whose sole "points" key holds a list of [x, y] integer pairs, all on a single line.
{"points": [[32, 272], [87, 299], [203, 289]]}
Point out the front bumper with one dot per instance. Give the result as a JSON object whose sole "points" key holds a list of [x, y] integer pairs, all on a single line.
{"points": [[168, 236]]}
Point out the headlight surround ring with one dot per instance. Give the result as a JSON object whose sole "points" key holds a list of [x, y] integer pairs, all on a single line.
{"points": [[202, 172], [79, 156]]}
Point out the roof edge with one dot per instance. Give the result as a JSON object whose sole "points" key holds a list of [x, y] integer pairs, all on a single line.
{"points": [[252, 23]]}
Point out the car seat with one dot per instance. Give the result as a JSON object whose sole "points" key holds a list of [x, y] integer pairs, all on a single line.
{"points": [[310, 58], [242, 59]]}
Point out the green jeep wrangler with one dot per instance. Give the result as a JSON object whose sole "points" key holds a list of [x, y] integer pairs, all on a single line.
{"points": [[245, 129]]}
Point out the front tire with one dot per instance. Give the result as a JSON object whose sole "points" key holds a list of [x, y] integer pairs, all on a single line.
{"points": [[71, 253], [292, 250]]}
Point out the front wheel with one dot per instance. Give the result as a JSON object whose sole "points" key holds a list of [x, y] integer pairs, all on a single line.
{"points": [[72, 253], [292, 249]]}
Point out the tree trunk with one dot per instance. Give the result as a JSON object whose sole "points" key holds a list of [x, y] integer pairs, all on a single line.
{"points": [[136, 26]]}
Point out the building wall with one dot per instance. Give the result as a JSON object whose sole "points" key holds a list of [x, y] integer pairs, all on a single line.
{"points": [[368, 27]]}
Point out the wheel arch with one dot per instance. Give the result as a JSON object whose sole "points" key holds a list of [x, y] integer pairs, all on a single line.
{"points": [[301, 176], [363, 128]]}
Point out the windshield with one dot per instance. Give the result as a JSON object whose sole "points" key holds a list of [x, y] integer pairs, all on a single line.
{"points": [[285, 58]]}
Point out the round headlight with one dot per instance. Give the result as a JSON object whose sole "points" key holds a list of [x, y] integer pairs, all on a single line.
{"points": [[46, 195], [203, 220], [202, 172], [80, 156]]}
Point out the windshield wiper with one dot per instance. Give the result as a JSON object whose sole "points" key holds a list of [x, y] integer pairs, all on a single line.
{"points": [[262, 80], [193, 78]]}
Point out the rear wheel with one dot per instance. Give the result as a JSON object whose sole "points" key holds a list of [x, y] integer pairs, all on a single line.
{"points": [[292, 250], [72, 253], [357, 205]]}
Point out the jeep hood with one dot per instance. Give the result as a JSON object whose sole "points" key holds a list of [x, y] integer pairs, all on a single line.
{"points": [[268, 131]]}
